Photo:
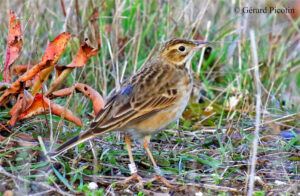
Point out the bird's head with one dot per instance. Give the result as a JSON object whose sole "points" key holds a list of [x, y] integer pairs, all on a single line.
{"points": [[179, 51]]}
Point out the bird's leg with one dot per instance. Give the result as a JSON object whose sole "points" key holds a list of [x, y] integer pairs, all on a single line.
{"points": [[156, 168], [132, 166]]}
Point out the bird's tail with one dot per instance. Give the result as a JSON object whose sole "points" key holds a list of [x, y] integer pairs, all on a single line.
{"points": [[72, 142]]}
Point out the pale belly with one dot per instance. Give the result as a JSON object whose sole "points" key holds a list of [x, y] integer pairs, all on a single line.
{"points": [[161, 119]]}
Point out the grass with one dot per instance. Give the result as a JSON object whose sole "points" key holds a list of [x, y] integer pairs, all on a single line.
{"points": [[209, 149]]}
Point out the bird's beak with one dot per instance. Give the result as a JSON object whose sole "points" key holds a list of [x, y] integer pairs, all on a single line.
{"points": [[200, 44]]}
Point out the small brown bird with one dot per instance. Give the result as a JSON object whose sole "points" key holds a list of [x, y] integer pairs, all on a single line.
{"points": [[147, 102]]}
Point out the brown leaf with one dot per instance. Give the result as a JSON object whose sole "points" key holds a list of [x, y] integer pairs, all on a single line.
{"points": [[62, 92], [93, 30], [85, 51], [93, 95], [21, 69], [88, 92], [107, 28], [24, 101], [122, 44], [198, 36], [16, 110], [59, 70]]}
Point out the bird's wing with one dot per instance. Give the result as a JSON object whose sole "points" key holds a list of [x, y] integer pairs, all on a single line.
{"points": [[136, 99]]}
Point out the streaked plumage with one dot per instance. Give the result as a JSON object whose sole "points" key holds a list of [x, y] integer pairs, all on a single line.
{"points": [[149, 100]]}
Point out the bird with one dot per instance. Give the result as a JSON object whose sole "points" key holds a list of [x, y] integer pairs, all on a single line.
{"points": [[147, 102]]}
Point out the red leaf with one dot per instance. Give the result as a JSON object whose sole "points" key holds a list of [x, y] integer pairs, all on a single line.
{"points": [[56, 47], [14, 45]]}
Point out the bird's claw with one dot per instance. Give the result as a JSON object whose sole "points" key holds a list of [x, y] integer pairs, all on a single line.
{"points": [[134, 176], [162, 179]]}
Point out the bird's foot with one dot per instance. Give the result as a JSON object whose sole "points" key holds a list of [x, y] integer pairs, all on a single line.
{"points": [[133, 176], [159, 177]]}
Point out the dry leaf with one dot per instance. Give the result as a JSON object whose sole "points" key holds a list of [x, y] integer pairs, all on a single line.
{"points": [[42, 104], [93, 95], [14, 45], [21, 69], [85, 51], [53, 52], [88, 91], [16, 86]]}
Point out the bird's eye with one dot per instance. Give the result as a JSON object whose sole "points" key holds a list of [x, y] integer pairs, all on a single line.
{"points": [[181, 48]]}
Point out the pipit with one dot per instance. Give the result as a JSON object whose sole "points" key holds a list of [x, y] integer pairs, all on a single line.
{"points": [[147, 102]]}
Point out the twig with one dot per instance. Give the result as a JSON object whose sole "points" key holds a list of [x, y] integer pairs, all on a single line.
{"points": [[257, 117], [58, 190], [203, 49], [275, 120], [211, 187], [4, 127], [41, 193], [43, 147], [68, 16], [63, 7]]}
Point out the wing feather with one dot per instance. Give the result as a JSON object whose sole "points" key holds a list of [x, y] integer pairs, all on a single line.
{"points": [[133, 101]]}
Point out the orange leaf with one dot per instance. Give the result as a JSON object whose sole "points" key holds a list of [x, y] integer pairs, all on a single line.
{"points": [[56, 47], [295, 5], [62, 92], [93, 95], [53, 52], [51, 56], [40, 78], [85, 51], [88, 92], [41, 105], [16, 86], [37, 107], [25, 99], [15, 111], [14, 45], [21, 69]]}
